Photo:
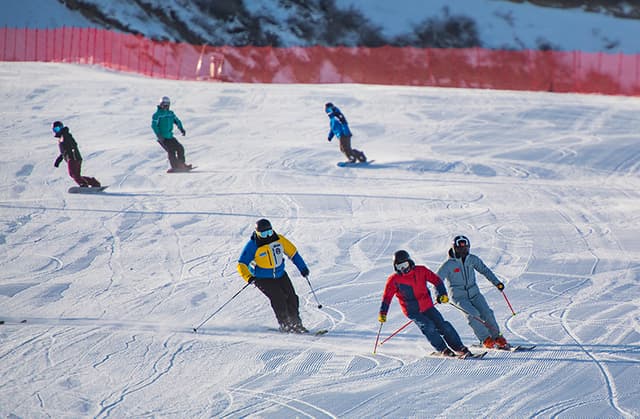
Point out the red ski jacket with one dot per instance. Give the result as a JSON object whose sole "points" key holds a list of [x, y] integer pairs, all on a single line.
{"points": [[412, 291]]}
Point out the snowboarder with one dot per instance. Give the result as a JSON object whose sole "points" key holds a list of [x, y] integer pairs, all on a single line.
{"points": [[409, 285], [162, 125], [459, 273], [339, 127], [70, 152], [262, 263]]}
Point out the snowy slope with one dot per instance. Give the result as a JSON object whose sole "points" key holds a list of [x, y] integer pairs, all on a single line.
{"points": [[500, 24], [546, 187]]}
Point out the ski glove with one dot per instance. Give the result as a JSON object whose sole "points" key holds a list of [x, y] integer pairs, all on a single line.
{"points": [[251, 279], [304, 272], [329, 139], [500, 286], [382, 317], [183, 132], [443, 299], [58, 161]]}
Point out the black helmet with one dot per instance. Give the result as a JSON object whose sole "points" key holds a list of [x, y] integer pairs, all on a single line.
{"points": [[400, 259], [57, 126], [328, 107], [263, 228], [263, 225], [460, 246]]}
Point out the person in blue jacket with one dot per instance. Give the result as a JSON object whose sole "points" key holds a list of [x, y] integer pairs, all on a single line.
{"points": [[262, 264], [339, 127]]}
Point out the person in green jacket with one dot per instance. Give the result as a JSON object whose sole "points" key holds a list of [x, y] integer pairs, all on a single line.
{"points": [[162, 125]]}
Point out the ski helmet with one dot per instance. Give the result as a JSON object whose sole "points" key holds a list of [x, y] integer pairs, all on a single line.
{"points": [[328, 107], [57, 126], [165, 102], [263, 228], [461, 246], [402, 262]]}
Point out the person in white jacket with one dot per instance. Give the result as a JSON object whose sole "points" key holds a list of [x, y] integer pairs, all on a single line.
{"points": [[458, 272]]}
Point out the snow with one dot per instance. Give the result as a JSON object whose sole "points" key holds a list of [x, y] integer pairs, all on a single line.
{"points": [[545, 186], [501, 24]]}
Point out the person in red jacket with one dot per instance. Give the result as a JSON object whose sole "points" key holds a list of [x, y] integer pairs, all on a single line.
{"points": [[409, 285]]}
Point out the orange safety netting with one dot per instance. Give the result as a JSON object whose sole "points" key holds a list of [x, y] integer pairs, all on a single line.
{"points": [[554, 71]]}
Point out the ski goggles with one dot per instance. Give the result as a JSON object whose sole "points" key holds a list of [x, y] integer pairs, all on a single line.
{"points": [[461, 243], [57, 129], [403, 266], [265, 234]]}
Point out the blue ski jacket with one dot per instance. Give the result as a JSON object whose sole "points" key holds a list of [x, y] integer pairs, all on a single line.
{"points": [[338, 125]]}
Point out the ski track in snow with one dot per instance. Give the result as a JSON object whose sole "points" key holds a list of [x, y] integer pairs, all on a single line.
{"points": [[111, 285]]}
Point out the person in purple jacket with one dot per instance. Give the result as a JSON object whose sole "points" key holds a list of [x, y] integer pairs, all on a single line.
{"points": [[339, 127]]}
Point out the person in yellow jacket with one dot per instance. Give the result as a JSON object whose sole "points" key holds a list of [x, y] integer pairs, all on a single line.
{"points": [[262, 264]]}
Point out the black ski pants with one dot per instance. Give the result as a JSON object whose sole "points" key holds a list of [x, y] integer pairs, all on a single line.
{"points": [[351, 153], [283, 298], [175, 152]]}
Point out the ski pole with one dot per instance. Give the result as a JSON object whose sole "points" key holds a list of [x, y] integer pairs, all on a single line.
{"points": [[474, 317], [396, 332], [375, 347], [195, 329], [312, 291], [508, 303]]}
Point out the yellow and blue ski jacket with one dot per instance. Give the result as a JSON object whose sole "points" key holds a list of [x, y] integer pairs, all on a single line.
{"points": [[264, 258]]}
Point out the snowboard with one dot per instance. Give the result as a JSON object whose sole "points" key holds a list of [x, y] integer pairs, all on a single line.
{"points": [[181, 170], [354, 164], [87, 190], [21, 321]]}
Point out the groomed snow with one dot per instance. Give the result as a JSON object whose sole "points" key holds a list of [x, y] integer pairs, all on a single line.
{"points": [[545, 185]]}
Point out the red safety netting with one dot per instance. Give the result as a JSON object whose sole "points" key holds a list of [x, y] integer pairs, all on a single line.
{"points": [[554, 71]]}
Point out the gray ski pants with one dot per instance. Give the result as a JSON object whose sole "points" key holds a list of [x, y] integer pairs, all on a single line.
{"points": [[477, 306]]}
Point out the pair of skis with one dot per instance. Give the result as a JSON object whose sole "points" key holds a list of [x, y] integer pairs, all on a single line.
{"points": [[467, 355], [319, 332], [480, 355], [510, 348]]}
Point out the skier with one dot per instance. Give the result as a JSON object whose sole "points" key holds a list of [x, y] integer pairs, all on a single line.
{"points": [[162, 125], [262, 263], [70, 152], [459, 273], [409, 285], [339, 127]]}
